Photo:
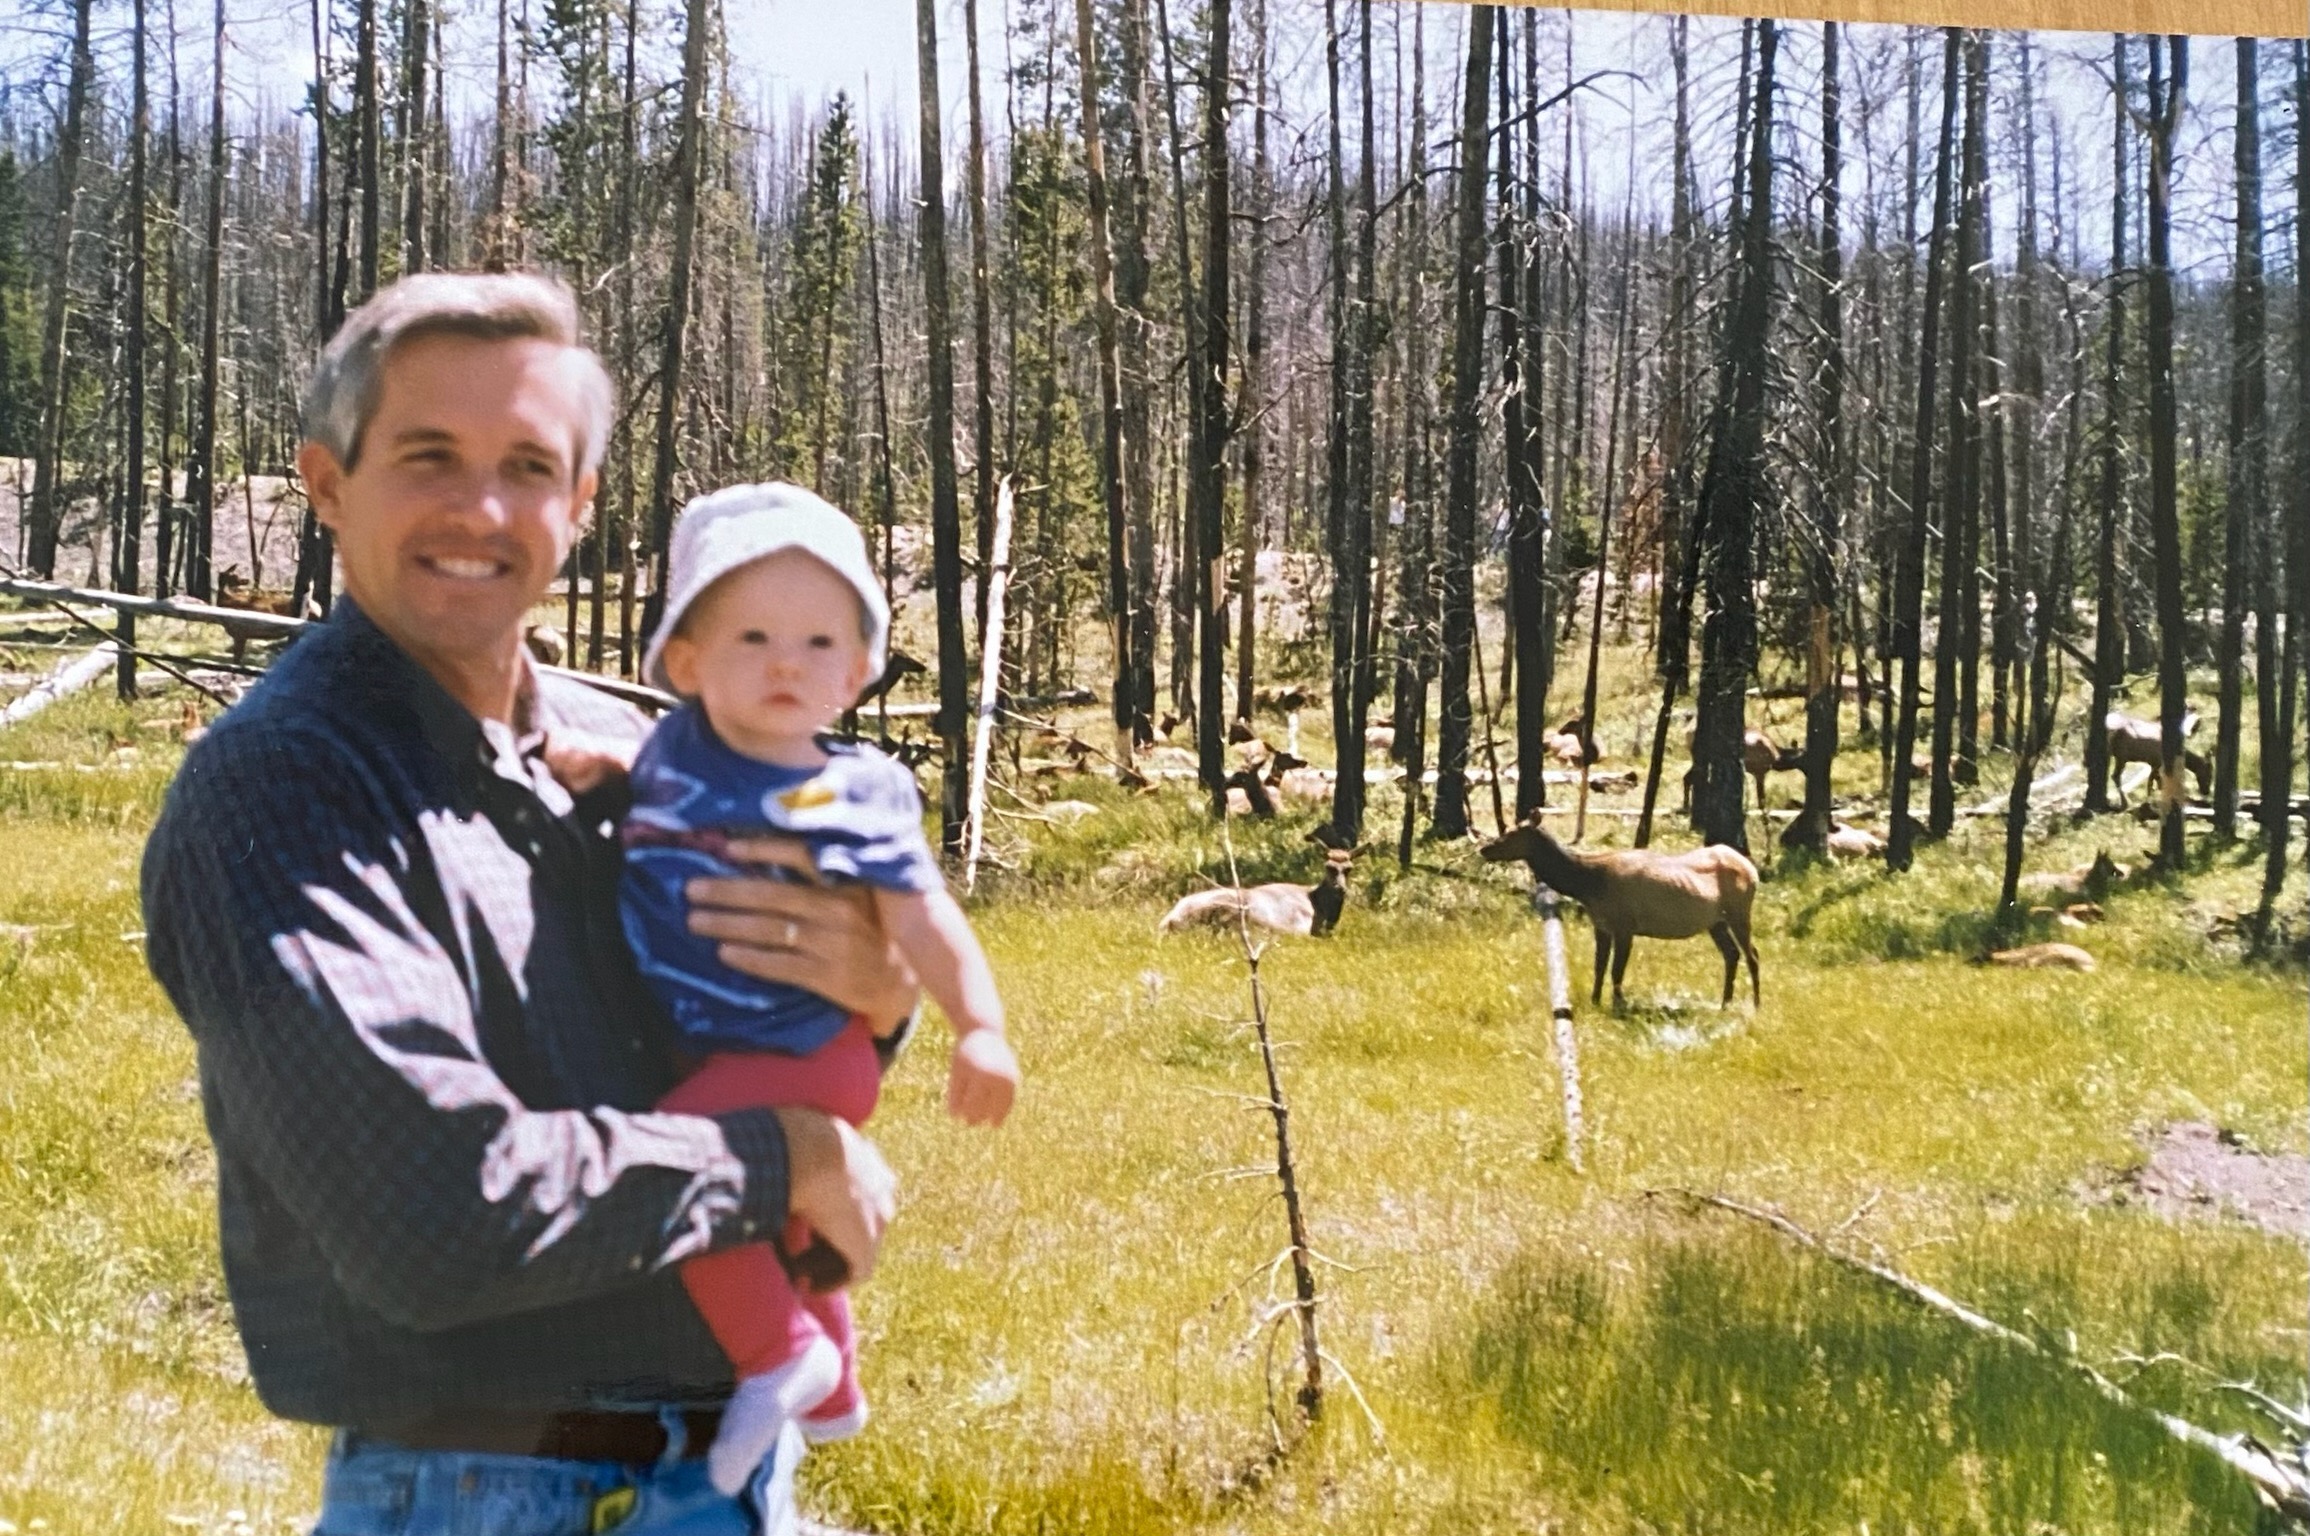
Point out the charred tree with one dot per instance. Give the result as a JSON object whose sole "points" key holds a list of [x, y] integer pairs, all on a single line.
{"points": [[1207, 461], [2249, 390], [1822, 690], [2109, 641], [2169, 90], [1458, 588], [945, 512], [1909, 566], [1527, 544], [47, 517], [1111, 485], [1736, 492]]}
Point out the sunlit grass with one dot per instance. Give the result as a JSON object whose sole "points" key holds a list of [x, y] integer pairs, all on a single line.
{"points": [[1062, 1337]]}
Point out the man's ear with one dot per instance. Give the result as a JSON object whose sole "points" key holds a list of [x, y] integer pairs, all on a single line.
{"points": [[324, 479], [588, 483]]}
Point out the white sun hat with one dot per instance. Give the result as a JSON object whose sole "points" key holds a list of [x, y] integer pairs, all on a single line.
{"points": [[740, 524]]}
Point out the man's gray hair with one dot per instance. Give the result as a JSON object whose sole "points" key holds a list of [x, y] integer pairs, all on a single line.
{"points": [[346, 384]]}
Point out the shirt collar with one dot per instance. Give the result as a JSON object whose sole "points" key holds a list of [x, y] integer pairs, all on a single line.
{"points": [[470, 745]]}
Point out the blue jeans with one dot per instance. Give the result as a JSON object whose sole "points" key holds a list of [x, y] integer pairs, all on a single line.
{"points": [[375, 1488]]}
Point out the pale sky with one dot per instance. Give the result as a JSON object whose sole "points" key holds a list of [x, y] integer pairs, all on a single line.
{"points": [[789, 50]]}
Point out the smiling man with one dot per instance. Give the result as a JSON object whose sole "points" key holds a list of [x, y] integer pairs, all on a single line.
{"points": [[449, 1218]]}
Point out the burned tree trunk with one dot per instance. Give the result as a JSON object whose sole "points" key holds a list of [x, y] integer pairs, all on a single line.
{"points": [[945, 514], [1254, 378], [2169, 89], [688, 150], [1207, 462], [2109, 652], [1527, 546], [2278, 753], [1110, 382], [1964, 474], [1821, 682], [1909, 567], [47, 516], [1459, 577], [128, 553], [982, 316], [201, 468], [1736, 493], [1673, 646], [2249, 388]]}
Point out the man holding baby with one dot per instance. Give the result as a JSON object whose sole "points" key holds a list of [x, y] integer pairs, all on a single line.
{"points": [[451, 1219]]}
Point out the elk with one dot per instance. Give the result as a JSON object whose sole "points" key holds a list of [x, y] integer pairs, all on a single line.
{"points": [[1760, 755], [1846, 842], [545, 644], [1570, 743], [1637, 893], [2141, 741], [897, 669], [2087, 882], [1283, 907], [2044, 957], [234, 591]]}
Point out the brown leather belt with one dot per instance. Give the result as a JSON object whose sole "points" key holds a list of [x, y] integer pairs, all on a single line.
{"points": [[637, 1439]]}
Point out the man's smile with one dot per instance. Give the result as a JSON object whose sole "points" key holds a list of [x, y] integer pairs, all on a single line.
{"points": [[456, 568]]}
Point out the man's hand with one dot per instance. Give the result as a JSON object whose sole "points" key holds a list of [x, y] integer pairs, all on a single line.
{"points": [[810, 936], [983, 1079], [838, 1183]]}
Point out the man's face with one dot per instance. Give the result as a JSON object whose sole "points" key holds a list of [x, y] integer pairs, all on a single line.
{"points": [[466, 497]]}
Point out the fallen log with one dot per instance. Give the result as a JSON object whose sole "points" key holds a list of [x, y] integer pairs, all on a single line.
{"points": [[68, 679], [2284, 1487], [1560, 1013], [274, 626]]}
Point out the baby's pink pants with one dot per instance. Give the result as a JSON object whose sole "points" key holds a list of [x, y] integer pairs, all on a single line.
{"points": [[759, 1316]]}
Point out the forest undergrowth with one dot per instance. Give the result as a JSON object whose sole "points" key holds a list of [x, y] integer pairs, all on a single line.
{"points": [[1065, 1335]]}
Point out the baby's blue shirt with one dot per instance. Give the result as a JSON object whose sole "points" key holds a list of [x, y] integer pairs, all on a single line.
{"points": [[860, 815]]}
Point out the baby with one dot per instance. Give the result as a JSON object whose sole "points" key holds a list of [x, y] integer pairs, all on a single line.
{"points": [[773, 625]]}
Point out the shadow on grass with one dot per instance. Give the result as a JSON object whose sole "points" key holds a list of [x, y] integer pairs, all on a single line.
{"points": [[1732, 1386]]}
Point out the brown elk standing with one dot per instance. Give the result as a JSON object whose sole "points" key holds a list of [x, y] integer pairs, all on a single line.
{"points": [[1284, 907], [2142, 741], [1760, 755], [1637, 893]]}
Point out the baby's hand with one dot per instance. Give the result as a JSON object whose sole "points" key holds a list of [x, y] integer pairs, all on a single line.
{"points": [[983, 1079], [584, 762]]}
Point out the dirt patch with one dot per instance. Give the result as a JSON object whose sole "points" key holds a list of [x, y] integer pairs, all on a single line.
{"points": [[2196, 1170]]}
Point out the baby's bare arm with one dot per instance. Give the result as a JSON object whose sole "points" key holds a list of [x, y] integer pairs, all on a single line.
{"points": [[936, 939]]}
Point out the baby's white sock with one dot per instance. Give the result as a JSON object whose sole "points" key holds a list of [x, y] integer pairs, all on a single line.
{"points": [[762, 1406]]}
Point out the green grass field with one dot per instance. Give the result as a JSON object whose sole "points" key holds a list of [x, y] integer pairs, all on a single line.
{"points": [[1065, 1336]]}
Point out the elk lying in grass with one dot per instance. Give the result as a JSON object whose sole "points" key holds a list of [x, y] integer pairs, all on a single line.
{"points": [[2140, 741], [2087, 882], [1844, 842], [1282, 907], [2044, 957], [1760, 755], [1637, 893]]}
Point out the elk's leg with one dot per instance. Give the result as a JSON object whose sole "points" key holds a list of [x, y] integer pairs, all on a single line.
{"points": [[1603, 959], [1722, 933], [1620, 949], [1749, 948]]}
